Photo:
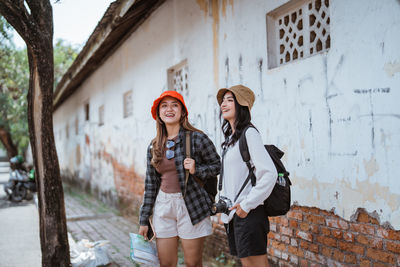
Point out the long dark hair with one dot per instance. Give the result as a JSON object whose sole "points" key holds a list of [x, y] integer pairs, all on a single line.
{"points": [[242, 119], [161, 138]]}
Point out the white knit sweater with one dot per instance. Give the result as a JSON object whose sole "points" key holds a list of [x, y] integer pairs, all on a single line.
{"points": [[236, 172]]}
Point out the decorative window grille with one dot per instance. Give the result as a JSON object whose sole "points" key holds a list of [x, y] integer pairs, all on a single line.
{"points": [[178, 78], [101, 115], [128, 104], [296, 30]]}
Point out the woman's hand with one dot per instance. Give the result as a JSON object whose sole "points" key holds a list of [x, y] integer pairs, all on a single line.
{"points": [[189, 164], [241, 213], [143, 231]]}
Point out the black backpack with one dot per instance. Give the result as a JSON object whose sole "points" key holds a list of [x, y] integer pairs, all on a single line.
{"points": [[278, 203], [210, 185]]}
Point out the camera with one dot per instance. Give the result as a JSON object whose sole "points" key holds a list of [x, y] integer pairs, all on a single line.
{"points": [[222, 206]]}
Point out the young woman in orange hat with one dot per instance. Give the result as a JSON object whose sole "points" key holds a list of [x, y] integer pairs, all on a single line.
{"points": [[180, 209], [245, 221]]}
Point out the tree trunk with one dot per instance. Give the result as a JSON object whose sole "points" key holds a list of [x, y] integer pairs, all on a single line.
{"points": [[6, 140], [36, 28]]}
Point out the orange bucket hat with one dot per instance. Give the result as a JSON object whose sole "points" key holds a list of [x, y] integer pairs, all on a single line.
{"points": [[173, 94]]}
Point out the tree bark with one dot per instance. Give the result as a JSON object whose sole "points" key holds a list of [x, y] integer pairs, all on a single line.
{"points": [[35, 26], [6, 140]]}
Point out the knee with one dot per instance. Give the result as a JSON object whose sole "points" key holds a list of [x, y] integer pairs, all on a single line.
{"points": [[167, 263], [193, 262]]}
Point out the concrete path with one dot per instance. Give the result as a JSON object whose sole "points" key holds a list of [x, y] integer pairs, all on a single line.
{"points": [[19, 231]]}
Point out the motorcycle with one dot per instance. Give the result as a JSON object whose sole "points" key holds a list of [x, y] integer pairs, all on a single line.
{"points": [[22, 182]]}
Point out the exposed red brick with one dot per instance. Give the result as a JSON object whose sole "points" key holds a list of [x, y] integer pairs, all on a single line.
{"points": [[314, 257], [285, 239], [365, 263], [308, 227], [378, 264], [284, 221], [349, 237], [304, 235], [337, 223], [381, 256], [327, 241], [286, 231], [393, 247], [278, 245], [370, 241], [337, 234], [316, 219], [363, 229], [326, 251], [303, 263], [274, 220], [338, 255], [366, 218], [332, 263], [297, 215], [350, 258], [296, 251], [389, 234], [325, 231], [351, 247], [293, 224], [272, 235], [309, 246]]}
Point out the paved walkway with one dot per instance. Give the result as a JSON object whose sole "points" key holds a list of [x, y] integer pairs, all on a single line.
{"points": [[87, 218]]}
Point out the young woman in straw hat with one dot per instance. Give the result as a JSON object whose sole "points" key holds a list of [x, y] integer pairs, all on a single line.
{"points": [[180, 208], [246, 224]]}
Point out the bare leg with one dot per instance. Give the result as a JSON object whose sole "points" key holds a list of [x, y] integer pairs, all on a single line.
{"points": [[193, 251], [168, 251], [255, 261]]}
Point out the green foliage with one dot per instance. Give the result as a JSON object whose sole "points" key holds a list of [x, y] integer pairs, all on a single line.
{"points": [[14, 82], [64, 55]]}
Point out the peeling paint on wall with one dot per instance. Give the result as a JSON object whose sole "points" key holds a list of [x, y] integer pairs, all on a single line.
{"points": [[371, 166], [203, 4], [392, 68]]}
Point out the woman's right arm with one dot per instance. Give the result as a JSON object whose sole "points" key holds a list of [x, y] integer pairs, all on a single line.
{"points": [[150, 190]]}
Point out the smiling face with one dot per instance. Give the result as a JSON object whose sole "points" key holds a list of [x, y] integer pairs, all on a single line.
{"points": [[170, 110], [228, 108]]}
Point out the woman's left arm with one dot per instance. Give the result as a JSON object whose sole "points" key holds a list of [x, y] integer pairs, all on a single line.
{"points": [[210, 163], [265, 172]]}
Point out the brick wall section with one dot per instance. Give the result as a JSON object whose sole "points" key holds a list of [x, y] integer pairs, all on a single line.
{"points": [[314, 237]]}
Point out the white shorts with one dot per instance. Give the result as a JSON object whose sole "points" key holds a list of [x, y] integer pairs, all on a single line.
{"points": [[171, 218]]}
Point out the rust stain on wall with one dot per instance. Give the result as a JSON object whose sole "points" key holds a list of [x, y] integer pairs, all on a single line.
{"points": [[215, 27], [78, 155], [225, 5], [87, 139], [203, 4], [129, 185]]}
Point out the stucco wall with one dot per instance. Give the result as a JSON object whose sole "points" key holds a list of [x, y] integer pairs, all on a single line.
{"points": [[334, 114]]}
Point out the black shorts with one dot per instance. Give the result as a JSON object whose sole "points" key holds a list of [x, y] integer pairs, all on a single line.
{"points": [[248, 236]]}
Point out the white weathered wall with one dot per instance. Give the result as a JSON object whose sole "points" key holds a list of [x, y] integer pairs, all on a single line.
{"points": [[339, 129]]}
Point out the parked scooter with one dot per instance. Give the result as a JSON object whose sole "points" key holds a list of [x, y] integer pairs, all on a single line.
{"points": [[22, 182]]}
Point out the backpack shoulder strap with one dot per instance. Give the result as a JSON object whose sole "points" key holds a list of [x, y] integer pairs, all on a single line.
{"points": [[188, 154], [244, 151]]}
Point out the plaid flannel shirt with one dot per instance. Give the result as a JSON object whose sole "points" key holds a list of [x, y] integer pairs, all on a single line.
{"points": [[207, 164]]}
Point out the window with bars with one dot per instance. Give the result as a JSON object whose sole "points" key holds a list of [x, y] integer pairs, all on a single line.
{"points": [[87, 111], [178, 78], [101, 115], [296, 30], [128, 104]]}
